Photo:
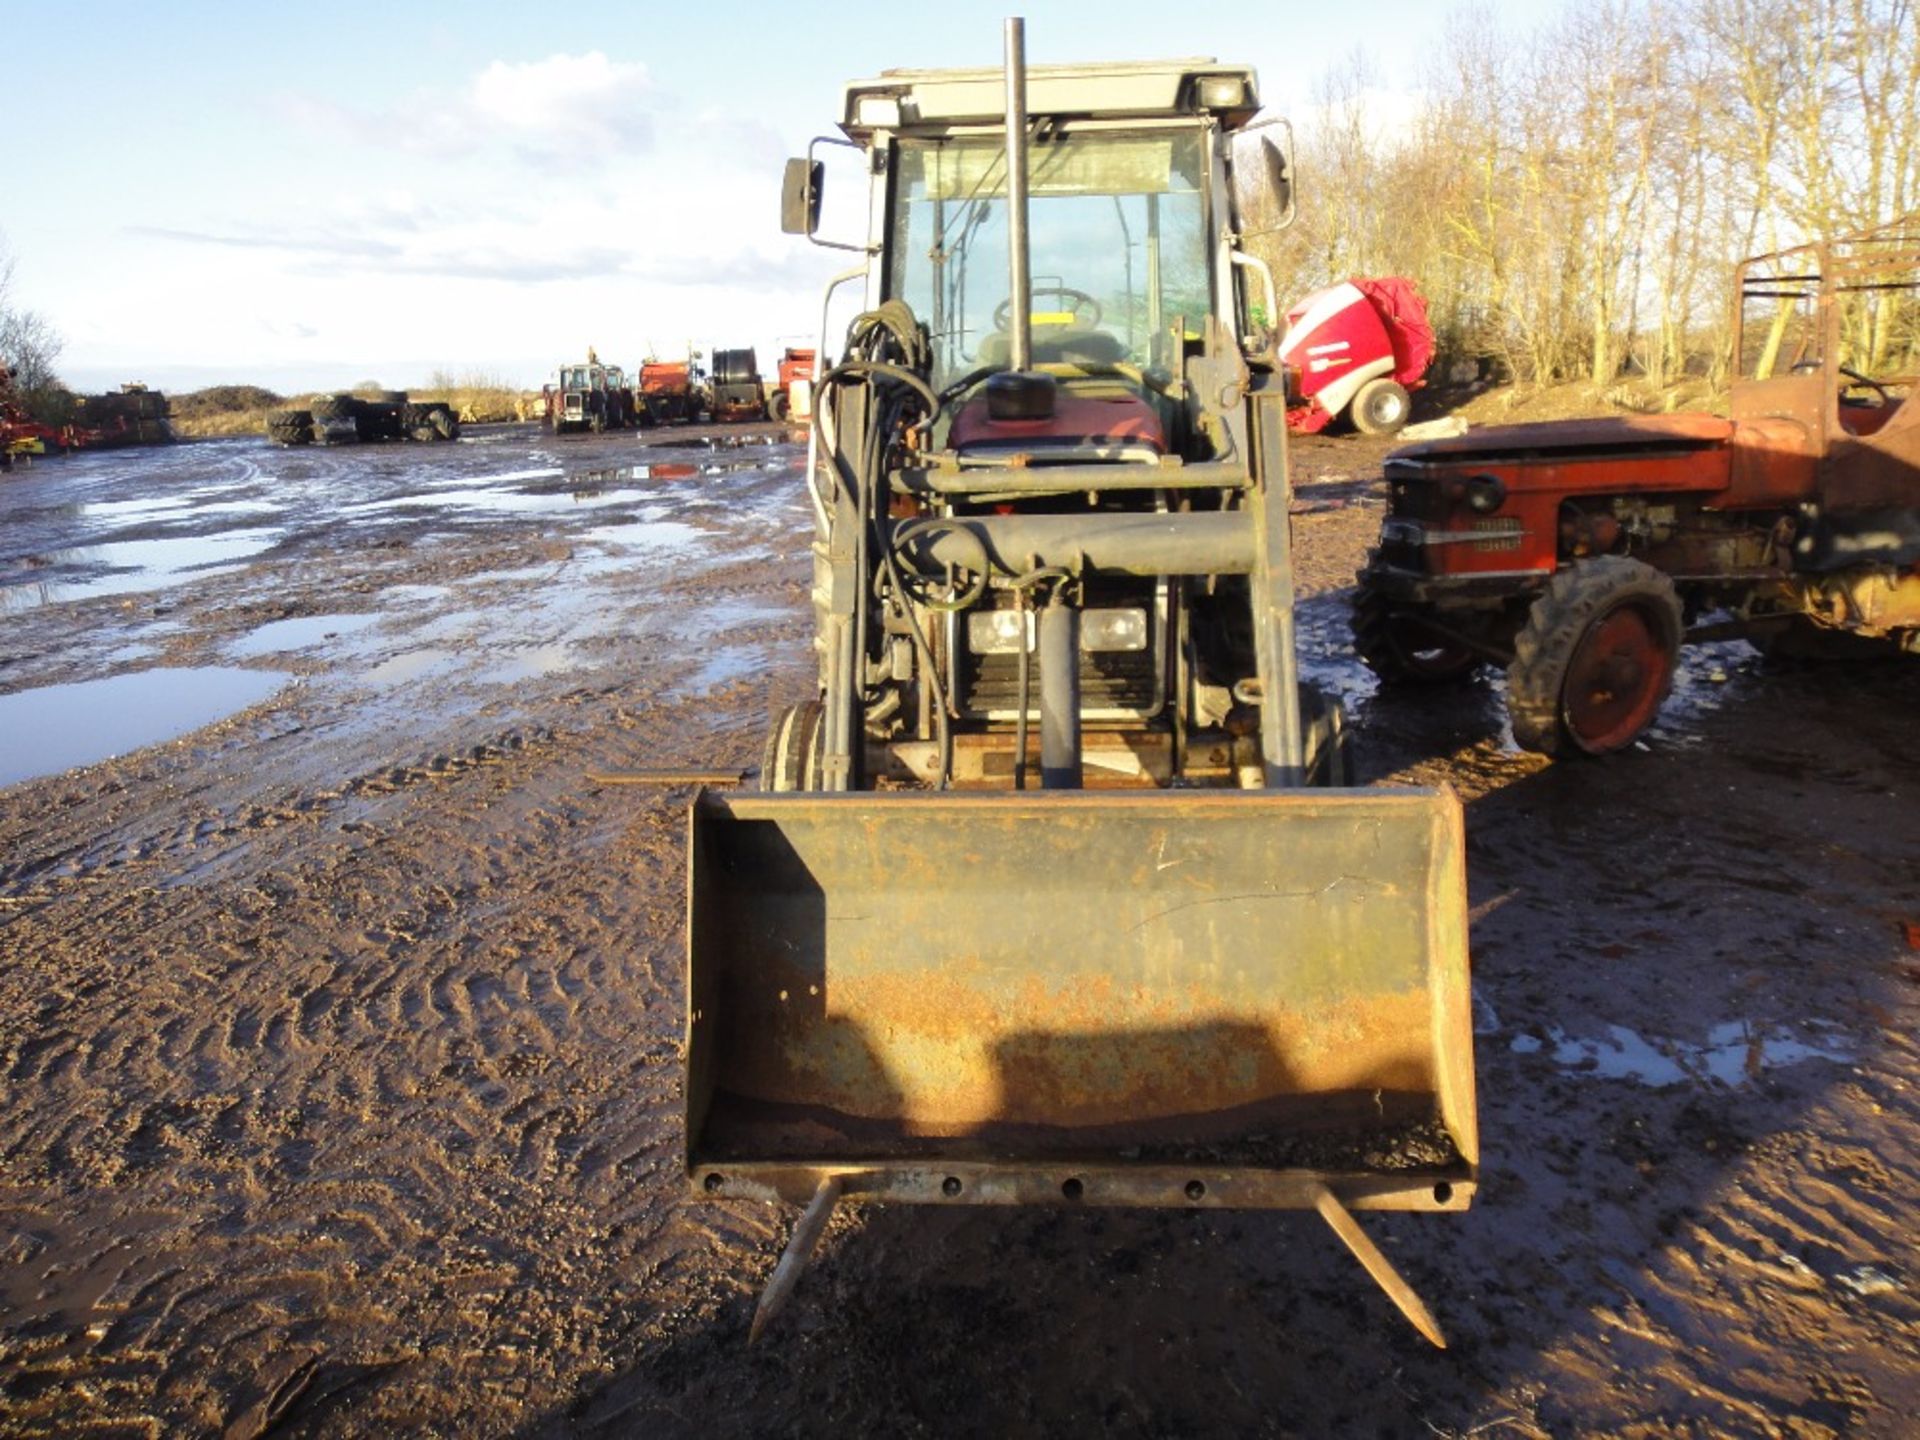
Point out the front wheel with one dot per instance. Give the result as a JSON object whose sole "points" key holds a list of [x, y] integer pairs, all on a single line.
{"points": [[777, 406], [792, 757], [1596, 658], [1398, 647], [1381, 408]]}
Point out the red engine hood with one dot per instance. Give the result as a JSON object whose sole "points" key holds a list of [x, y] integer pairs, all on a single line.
{"points": [[1554, 437]]}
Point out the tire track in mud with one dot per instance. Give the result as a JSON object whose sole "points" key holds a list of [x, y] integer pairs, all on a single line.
{"points": [[371, 1041], [344, 1095]]}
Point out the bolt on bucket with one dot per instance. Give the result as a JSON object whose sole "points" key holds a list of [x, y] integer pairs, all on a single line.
{"points": [[1176, 998]]}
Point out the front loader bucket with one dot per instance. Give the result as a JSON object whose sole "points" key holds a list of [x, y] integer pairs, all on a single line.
{"points": [[1173, 998]]}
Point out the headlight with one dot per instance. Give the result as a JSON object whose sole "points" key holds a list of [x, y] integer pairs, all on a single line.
{"points": [[997, 632], [878, 112], [1486, 493], [1113, 630], [1222, 92]]}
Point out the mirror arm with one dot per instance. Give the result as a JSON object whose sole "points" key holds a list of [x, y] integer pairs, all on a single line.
{"points": [[1260, 268]]}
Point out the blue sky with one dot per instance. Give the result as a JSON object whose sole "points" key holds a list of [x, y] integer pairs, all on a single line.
{"points": [[307, 196]]}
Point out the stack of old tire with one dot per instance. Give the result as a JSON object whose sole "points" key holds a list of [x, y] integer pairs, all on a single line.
{"points": [[336, 419], [382, 417], [350, 420], [133, 416], [430, 422], [290, 427]]}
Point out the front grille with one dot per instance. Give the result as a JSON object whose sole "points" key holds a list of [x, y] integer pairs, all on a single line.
{"points": [[1114, 684]]}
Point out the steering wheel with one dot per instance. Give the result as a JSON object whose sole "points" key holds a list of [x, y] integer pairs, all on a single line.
{"points": [[1863, 382], [1003, 312], [1860, 382]]}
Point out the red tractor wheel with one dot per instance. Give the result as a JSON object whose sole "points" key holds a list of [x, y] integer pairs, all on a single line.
{"points": [[1596, 658]]}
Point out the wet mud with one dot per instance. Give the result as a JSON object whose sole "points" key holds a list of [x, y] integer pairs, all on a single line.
{"points": [[340, 1017]]}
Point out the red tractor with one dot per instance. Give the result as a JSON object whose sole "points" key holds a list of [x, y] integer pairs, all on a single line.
{"points": [[589, 397], [792, 398], [1577, 554], [1358, 348]]}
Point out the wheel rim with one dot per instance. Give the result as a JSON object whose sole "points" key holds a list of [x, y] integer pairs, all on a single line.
{"points": [[1616, 679]]}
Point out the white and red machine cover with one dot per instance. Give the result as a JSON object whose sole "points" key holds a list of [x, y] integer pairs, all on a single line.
{"points": [[1341, 337]]}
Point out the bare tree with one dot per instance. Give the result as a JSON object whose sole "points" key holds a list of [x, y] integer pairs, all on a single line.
{"points": [[29, 345]]}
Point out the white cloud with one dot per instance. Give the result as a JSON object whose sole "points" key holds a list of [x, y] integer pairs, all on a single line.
{"points": [[574, 112]]}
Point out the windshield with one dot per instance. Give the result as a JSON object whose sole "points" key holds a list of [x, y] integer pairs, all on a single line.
{"points": [[1116, 227]]}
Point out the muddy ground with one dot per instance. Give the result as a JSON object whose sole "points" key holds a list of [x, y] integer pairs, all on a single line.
{"points": [[339, 1036]]}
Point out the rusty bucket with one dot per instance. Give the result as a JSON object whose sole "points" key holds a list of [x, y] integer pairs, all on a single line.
{"points": [[1170, 998]]}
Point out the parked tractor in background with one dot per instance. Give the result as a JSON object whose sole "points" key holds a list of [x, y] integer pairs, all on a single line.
{"points": [[591, 397], [737, 391], [1576, 553], [1185, 973], [1358, 349], [792, 397], [668, 392]]}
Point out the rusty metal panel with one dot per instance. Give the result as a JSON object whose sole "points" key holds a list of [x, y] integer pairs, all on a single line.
{"points": [[1271, 979], [1603, 434]]}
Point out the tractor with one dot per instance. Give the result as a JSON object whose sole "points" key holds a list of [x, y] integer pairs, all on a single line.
{"points": [[1058, 892], [792, 398], [591, 397], [1581, 555]]}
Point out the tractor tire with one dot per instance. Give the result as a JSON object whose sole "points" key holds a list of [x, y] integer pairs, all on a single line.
{"points": [[1327, 742], [335, 407], [778, 407], [290, 427], [1596, 658], [390, 397], [1397, 648], [1381, 408], [446, 426], [413, 415], [792, 758]]}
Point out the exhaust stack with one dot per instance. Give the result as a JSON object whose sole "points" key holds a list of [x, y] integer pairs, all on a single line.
{"points": [[1019, 281]]}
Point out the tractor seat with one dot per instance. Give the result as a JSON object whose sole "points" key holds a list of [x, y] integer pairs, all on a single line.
{"points": [[1058, 345]]}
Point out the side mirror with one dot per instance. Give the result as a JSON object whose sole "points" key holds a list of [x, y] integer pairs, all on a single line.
{"points": [[800, 196], [1261, 157]]}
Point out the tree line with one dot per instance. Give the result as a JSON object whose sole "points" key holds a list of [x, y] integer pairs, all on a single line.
{"points": [[1572, 198]]}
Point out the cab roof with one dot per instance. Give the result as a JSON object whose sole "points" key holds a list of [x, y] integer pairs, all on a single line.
{"points": [[906, 99]]}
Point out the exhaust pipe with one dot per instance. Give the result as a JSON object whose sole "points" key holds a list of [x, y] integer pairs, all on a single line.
{"points": [[1020, 284]]}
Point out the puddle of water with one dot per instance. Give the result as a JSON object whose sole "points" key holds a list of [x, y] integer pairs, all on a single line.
{"points": [[57, 727], [722, 666], [422, 594], [279, 636], [167, 505], [508, 502], [1734, 1052], [648, 534], [413, 665], [531, 663], [135, 566]]}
